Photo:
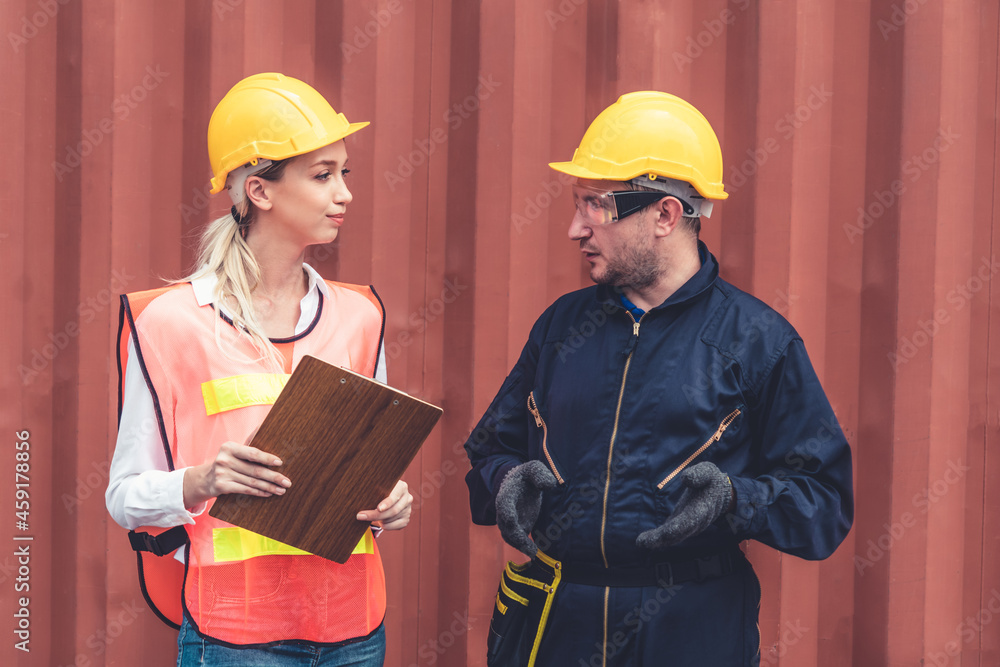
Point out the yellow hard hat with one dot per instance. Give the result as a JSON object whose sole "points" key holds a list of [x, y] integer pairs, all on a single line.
{"points": [[270, 116], [653, 134]]}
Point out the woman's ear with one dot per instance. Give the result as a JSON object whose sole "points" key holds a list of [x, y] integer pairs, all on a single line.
{"points": [[256, 190]]}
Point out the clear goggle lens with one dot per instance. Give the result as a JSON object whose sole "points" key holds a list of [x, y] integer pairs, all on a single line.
{"points": [[599, 207]]}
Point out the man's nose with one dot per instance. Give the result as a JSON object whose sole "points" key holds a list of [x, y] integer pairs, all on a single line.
{"points": [[578, 227]]}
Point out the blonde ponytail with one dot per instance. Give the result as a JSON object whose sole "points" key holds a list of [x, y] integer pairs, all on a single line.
{"points": [[224, 254]]}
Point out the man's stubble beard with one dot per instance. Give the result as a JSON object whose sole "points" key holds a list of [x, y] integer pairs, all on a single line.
{"points": [[636, 268]]}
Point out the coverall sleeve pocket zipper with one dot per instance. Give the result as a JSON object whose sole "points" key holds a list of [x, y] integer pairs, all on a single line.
{"points": [[723, 425], [540, 423]]}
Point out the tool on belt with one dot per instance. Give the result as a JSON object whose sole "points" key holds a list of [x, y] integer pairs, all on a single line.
{"points": [[522, 607]]}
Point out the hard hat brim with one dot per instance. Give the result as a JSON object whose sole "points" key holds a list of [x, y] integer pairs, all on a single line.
{"points": [[573, 169], [218, 185]]}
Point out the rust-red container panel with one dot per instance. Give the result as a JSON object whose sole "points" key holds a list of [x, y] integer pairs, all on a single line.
{"points": [[860, 145]]}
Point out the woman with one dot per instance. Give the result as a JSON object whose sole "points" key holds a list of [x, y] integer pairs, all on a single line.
{"points": [[206, 359]]}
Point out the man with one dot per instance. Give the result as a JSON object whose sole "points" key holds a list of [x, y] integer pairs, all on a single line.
{"points": [[654, 421]]}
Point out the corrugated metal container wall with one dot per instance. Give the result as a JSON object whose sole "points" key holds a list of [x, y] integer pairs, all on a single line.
{"points": [[860, 142]]}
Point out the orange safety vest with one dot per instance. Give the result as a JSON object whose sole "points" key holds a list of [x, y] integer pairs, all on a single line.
{"points": [[237, 587]]}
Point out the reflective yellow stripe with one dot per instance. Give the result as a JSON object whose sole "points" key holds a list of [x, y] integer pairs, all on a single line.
{"points": [[240, 391], [234, 544], [231, 544], [366, 545]]}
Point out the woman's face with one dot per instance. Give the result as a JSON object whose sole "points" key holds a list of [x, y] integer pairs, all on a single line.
{"points": [[309, 202]]}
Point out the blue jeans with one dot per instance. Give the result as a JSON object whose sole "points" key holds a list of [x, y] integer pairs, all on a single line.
{"points": [[193, 649]]}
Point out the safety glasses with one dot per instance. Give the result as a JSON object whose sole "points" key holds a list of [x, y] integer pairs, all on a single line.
{"points": [[599, 207]]}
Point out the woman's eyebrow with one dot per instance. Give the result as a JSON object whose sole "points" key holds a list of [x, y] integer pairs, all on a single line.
{"points": [[327, 163]]}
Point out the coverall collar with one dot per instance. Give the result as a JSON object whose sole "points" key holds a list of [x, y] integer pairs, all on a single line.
{"points": [[693, 288]]}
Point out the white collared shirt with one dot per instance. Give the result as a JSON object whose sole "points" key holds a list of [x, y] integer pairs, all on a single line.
{"points": [[142, 491]]}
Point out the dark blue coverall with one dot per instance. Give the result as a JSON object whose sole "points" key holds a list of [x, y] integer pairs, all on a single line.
{"points": [[615, 407]]}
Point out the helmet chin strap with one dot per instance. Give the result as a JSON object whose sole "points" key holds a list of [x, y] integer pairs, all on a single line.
{"points": [[680, 189], [238, 177]]}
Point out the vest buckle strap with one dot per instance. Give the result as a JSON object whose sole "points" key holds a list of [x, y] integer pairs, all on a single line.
{"points": [[159, 545]]}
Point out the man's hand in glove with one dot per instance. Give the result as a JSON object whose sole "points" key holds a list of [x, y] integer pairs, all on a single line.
{"points": [[519, 501], [707, 494]]}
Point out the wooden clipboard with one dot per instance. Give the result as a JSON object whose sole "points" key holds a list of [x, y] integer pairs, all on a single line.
{"points": [[344, 440]]}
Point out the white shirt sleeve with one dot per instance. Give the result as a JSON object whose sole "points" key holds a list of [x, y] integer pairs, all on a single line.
{"points": [[141, 489], [380, 371]]}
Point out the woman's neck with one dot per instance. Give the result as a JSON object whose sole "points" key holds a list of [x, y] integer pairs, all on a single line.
{"points": [[282, 285]]}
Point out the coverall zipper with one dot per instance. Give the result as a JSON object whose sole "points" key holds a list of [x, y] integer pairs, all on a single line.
{"points": [[715, 438], [614, 431], [533, 409], [630, 350]]}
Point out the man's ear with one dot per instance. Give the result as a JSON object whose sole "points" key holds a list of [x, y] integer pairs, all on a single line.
{"points": [[257, 191], [670, 212]]}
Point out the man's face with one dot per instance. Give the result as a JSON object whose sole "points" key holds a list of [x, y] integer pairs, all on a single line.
{"points": [[622, 253]]}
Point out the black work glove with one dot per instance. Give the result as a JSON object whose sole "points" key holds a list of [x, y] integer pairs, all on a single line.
{"points": [[519, 501], [707, 494]]}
